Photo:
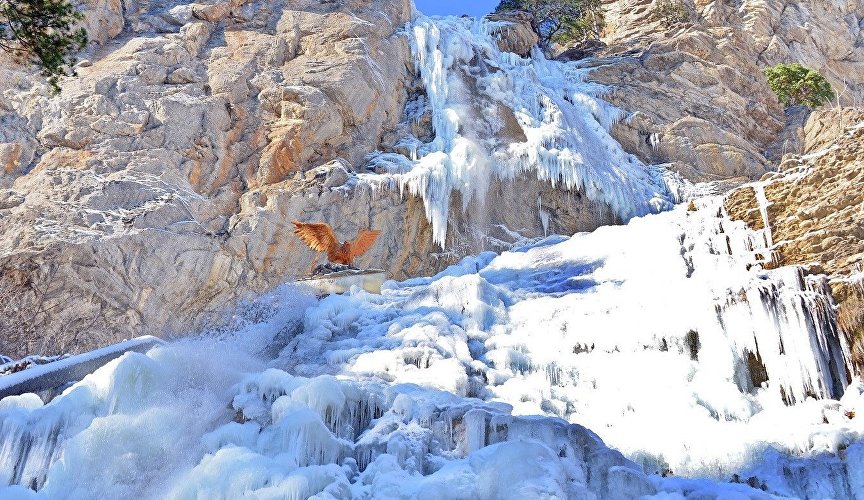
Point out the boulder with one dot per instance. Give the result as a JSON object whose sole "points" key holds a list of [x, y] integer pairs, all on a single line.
{"points": [[513, 32], [581, 50]]}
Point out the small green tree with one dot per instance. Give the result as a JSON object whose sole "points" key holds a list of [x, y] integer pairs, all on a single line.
{"points": [[671, 12], [796, 85], [561, 21], [43, 33]]}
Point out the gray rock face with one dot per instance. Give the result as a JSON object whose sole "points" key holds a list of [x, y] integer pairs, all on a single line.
{"points": [[160, 186], [826, 36], [514, 32], [813, 208], [261, 229], [117, 195]]}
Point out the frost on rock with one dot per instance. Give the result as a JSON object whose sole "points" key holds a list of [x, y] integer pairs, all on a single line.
{"points": [[496, 115]]}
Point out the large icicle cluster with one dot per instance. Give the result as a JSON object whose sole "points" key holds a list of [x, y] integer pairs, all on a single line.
{"points": [[475, 92], [668, 324], [664, 337], [298, 437], [158, 426]]}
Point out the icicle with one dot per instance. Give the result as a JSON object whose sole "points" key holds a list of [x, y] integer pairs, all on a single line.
{"points": [[467, 79], [475, 429], [762, 200], [787, 322], [544, 217], [654, 140], [27, 449]]}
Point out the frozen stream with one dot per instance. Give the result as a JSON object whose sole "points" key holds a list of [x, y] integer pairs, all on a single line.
{"points": [[663, 337]]}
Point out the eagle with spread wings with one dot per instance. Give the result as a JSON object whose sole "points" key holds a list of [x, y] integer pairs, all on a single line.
{"points": [[321, 238]]}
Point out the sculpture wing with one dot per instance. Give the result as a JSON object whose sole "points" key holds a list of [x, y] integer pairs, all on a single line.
{"points": [[319, 236], [364, 241]]}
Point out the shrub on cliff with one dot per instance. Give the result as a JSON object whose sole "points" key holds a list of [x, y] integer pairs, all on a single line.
{"points": [[43, 33], [671, 13], [561, 21], [796, 85]]}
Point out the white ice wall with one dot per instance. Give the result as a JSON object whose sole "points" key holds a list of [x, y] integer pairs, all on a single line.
{"points": [[468, 80]]}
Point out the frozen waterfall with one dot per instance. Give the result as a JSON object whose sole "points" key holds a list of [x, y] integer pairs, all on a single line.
{"points": [[658, 359], [665, 337], [495, 115]]}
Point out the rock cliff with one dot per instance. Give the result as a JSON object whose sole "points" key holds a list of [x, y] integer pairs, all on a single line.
{"points": [[690, 76], [118, 195], [812, 209], [160, 186]]}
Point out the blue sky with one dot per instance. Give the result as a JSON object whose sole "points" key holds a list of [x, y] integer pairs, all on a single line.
{"points": [[456, 7]]}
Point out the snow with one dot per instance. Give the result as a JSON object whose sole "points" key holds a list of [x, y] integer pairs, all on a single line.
{"points": [[57, 371], [564, 122], [483, 381], [8, 365]]}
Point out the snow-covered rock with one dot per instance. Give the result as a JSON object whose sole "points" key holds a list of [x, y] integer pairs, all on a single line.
{"points": [[812, 208]]}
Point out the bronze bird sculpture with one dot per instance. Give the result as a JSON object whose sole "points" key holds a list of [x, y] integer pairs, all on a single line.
{"points": [[320, 238]]}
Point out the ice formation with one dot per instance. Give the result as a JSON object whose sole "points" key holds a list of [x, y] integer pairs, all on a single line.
{"points": [[43, 374], [665, 337], [475, 92]]}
